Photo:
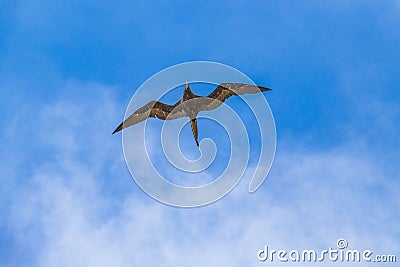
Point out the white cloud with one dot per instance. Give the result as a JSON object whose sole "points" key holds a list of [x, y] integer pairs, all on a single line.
{"points": [[80, 208]]}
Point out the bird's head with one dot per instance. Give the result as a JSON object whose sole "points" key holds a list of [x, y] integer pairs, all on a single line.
{"points": [[188, 91], [187, 84], [187, 94]]}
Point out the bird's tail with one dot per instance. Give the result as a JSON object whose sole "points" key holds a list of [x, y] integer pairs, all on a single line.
{"points": [[193, 124]]}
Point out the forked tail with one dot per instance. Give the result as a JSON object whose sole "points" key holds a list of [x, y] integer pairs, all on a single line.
{"points": [[193, 124]]}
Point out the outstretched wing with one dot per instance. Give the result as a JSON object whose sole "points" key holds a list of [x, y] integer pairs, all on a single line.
{"points": [[153, 109], [226, 90]]}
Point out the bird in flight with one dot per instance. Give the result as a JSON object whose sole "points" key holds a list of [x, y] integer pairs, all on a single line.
{"points": [[189, 105]]}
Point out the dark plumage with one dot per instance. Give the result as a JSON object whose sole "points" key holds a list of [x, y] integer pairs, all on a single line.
{"points": [[190, 105]]}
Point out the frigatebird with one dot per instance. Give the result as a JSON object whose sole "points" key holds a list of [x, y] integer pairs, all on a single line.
{"points": [[190, 105]]}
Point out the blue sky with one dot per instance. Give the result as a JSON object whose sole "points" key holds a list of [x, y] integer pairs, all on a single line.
{"points": [[68, 71]]}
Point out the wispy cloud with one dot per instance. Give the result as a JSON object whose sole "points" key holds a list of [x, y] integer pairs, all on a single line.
{"points": [[63, 210], [68, 69]]}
